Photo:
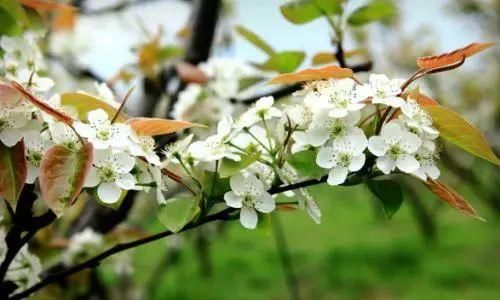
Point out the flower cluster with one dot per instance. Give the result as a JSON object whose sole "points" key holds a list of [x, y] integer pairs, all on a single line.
{"points": [[327, 118]]}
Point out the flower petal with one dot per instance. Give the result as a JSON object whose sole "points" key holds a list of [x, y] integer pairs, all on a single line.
{"points": [[109, 192], [386, 164], [233, 200], [337, 175], [326, 157], [407, 163], [377, 145], [248, 217], [265, 203]]}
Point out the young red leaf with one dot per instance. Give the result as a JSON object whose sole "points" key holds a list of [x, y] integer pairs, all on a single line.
{"points": [[13, 171], [458, 131], [190, 73], [452, 198], [436, 61], [62, 174], [59, 115], [156, 126], [8, 95], [84, 103], [313, 74]]}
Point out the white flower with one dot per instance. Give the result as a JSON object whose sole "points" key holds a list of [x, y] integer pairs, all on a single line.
{"points": [[143, 146], [178, 148], [106, 94], [324, 127], [417, 119], [83, 245], [62, 134], [36, 144], [395, 147], [25, 269], [428, 168], [382, 90], [215, 147], [338, 98], [12, 120], [186, 101], [161, 184], [110, 171], [345, 154], [23, 50], [247, 193], [36, 82], [255, 137], [300, 115], [262, 110], [101, 133]]}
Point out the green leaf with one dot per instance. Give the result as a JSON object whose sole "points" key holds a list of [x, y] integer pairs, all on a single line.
{"points": [[256, 40], [215, 186], [62, 174], [85, 103], [168, 52], [284, 62], [178, 212], [8, 24], [458, 131], [305, 163], [16, 10], [13, 171], [247, 82], [389, 193], [377, 10], [304, 11], [230, 167]]}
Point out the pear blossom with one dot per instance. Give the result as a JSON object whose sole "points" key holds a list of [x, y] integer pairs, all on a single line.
{"points": [[263, 109], [177, 149], [417, 119], [32, 79], [248, 194], [83, 245], [101, 133], [36, 144], [62, 134], [395, 147], [323, 127], [382, 90], [186, 100], [143, 146], [110, 172], [215, 147], [13, 119], [338, 98], [300, 115], [428, 169], [343, 156]]}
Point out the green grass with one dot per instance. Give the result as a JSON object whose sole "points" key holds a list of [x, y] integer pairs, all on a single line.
{"points": [[353, 254]]}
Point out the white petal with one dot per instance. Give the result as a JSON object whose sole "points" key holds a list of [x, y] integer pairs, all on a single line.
{"points": [[10, 136], [337, 175], [377, 145], [237, 183], [97, 116], [326, 157], [432, 171], [317, 136], [386, 164], [411, 142], [84, 129], [357, 162], [248, 217], [124, 162], [125, 181], [338, 113], [265, 203], [233, 200], [109, 192], [92, 178], [407, 163], [33, 173], [394, 101]]}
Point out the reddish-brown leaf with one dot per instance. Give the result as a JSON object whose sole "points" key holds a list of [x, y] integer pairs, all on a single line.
{"points": [[46, 5], [13, 171], [313, 74], [59, 115], [157, 126], [8, 95], [452, 198], [62, 174], [436, 61], [190, 73]]}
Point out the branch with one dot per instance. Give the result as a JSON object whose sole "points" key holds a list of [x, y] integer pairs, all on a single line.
{"points": [[223, 215]]}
